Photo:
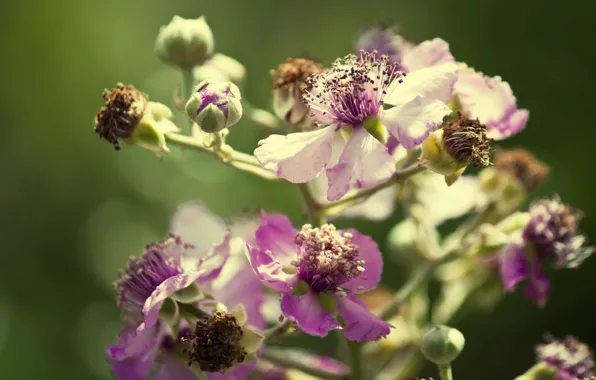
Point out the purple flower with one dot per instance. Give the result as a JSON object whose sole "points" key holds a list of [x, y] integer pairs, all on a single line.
{"points": [[384, 41], [168, 267], [352, 94], [571, 358], [552, 234], [318, 271]]}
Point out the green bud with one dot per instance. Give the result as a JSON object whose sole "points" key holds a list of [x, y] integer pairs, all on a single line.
{"points": [[215, 106], [442, 345], [184, 43]]}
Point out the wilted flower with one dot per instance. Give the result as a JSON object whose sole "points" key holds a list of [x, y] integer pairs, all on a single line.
{"points": [[318, 271], [215, 106], [184, 43], [129, 116], [552, 234], [289, 83], [351, 95], [569, 358]]}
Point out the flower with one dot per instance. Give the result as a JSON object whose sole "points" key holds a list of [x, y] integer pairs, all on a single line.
{"points": [[384, 40], [215, 106], [552, 234], [570, 358], [184, 43], [522, 166], [177, 272], [289, 81], [318, 271], [351, 96]]}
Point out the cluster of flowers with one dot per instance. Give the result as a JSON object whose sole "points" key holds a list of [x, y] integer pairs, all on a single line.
{"points": [[393, 123]]}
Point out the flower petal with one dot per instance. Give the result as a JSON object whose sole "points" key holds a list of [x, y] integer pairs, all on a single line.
{"points": [[539, 287], [270, 271], [239, 372], [378, 207], [513, 266], [491, 100], [196, 225], [133, 356], [365, 162], [212, 264], [434, 82], [276, 234], [412, 122], [297, 157], [373, 264], [172, 367], [427, 54], [361, 324], [308, 314]]}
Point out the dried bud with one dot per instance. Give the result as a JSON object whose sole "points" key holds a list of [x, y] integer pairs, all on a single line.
{"points": [[459, 144], [215, 106], [523, 166], [184, 43], [128, 115], [221, 341], [442, 344], [289, 82]]}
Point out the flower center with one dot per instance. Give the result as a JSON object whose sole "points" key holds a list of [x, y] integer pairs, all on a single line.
{"points": [[215, 343], [352, 90], [570, 356], [328, 258], [124, 108], [466, 141], [144, 274], [523, 166]]}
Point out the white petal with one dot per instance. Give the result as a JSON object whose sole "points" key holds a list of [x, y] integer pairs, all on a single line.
{"points": [[197, 225], [412, 122], [427, 54], [297, 157], [433, 82]]}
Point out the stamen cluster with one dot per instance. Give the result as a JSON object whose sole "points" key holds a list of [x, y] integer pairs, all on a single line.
{"points": [[215, 344], [328, 257], [124, 108], [352, 89], [523, 166], [466, 141], [572, 358]]}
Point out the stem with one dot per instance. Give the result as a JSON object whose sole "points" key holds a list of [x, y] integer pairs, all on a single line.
{"points": [[279, 330], [311, 206], [399, 176], [187, 83], [286, 361], [356, 372], [191, 310], [445, 371]]}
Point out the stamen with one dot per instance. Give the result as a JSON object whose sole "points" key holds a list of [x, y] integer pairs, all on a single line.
{"points": [[466, 141]]}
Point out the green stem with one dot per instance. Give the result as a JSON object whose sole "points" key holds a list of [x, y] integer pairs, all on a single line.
{"points": [[315, 216], [356, 369], [286, 361], [188, 309], [281, 329], [399, 176], [445, 371]]}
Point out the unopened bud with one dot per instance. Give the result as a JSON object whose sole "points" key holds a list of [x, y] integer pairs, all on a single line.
{"points": [[442, 345], [215, 106], [184, 43]]}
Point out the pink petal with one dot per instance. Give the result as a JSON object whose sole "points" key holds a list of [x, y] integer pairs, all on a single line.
{"points": [[365, 162], [172, 367], [239, 372], [513, 266], [270, 271], [539, 287], [133, 356], [412, 122], [195, 224], [212, 264], [276, 234], [308, 313], [361, 324], [373, 264], [297, 157], [434, 82], [427, 54]]}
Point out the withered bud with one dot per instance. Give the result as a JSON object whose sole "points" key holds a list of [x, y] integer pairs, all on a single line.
{"points": [[215, 345], [522, 165], [466, 141], [123, 110]]}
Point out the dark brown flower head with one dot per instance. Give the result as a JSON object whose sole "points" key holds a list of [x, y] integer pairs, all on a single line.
{"points": [[215, 343], [466, 141], [522, 165], [294, 72], [124, 108]]}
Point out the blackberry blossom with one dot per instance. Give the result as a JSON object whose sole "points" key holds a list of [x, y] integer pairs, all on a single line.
{"points": [[571, 358]]}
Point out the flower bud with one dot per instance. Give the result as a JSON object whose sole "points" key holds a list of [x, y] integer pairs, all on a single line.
{"points": [[215, 106], [442, 345], [184, 43], [129, 116], [222, 68], [289, 81], [459, 144]]}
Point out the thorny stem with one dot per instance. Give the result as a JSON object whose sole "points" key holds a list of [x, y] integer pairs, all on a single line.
{"points": [[285, 361]]}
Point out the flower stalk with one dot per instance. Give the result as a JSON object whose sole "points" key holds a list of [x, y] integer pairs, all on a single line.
{"points": [[282, 360]]}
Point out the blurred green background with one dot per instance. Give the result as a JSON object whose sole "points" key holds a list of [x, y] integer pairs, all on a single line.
{"points": [[74, 210]]}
